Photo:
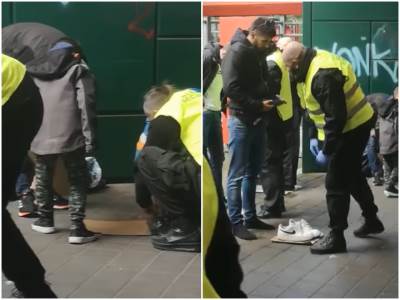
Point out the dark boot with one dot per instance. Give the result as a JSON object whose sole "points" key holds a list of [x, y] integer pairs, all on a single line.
{"points": [[181, 235], [370, 226], [80, 235], [333, 242], [240, 231]]}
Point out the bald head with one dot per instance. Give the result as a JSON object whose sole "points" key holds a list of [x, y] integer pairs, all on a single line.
{"points": [[292, 55], [283, 42]]}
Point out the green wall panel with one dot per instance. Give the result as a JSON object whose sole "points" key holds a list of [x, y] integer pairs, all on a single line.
{"points": [[385, 37], [186, 19], [353, 46], [130, 46], [366, 34], [6, 13], [122, 60], [179, 61], [117, 142], [354, 11]]}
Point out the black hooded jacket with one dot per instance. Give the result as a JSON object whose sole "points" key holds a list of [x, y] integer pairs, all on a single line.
{"points": [[30, 43], [245, 82]]}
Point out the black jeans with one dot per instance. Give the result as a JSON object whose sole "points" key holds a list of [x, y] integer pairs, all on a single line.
{"points": [[22, 117], [271, 174], [392, 163], [166, 176], [344, 178], [291, 154]]}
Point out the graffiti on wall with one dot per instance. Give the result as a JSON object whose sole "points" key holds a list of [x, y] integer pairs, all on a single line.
{"points": [[361, 59]]}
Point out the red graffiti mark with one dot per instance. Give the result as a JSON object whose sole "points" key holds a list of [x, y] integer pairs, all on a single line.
{"points": [[133, 26]]}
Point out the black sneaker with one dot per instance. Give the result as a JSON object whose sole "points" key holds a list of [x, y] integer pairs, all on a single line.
{"points": [[60, 202], [178, 239], [264, 213], [333, 242], [80, 235], [44, 225], [26, 206], [391, 192], [378, 179], [258, 224], [240, 231], [159, 226], [372, 226]]}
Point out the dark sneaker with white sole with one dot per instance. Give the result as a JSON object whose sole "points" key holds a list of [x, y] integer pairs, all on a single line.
{"points": [[334, 242], [178, 239], [60, 202], [26, 206], [44, 225], [81, 235], [391, 192]]}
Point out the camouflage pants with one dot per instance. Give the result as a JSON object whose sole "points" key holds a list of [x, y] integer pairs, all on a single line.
{"points": [[77, 175]]}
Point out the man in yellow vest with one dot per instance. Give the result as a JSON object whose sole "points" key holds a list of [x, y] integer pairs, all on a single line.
{"points": [[22, 111], [280, 139], [169, 166], [343, 119]]}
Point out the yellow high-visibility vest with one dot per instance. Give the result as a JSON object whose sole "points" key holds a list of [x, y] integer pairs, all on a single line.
{"points": [[12, 73], [285, 110], [186, 108], [359, 110], [210, 215]]}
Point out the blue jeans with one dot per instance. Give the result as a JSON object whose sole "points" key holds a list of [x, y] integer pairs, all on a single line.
{"points": [[213, 147], [246, 145], [372, 150]]}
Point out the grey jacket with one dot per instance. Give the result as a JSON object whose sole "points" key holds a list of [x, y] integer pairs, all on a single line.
{"points": [[69, 117]]}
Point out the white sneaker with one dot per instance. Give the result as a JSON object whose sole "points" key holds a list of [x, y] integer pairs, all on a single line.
{"points": [[307, 228], [293, 232]]}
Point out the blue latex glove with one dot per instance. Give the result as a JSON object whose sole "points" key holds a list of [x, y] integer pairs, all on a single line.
{"points": [[314, 147], [321, 159]]}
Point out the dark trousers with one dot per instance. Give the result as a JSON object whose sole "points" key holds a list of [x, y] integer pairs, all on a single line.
{"points": [[344, 178], [166, 176], [271, 174], [75, 164], [22, 117], [291, 154], [391, 161], [213, 148]]}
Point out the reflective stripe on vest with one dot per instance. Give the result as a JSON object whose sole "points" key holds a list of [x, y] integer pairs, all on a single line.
{"points": [[285, 110], [210, 215], [12, 72], [358, 109], [185, 107]]}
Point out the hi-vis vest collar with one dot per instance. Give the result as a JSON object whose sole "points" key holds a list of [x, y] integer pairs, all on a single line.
{"points": [[285, 110], [210, 215], [359, 110], [186, 108], [12, 73]]}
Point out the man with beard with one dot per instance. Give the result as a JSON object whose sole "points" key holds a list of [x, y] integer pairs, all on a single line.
{"points": [[343, 119], [244, 83]]}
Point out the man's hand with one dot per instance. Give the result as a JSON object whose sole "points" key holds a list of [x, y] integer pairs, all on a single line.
{"points": [[267, 105]]}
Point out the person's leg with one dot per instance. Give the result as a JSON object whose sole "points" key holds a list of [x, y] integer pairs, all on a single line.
{"points": [[78, 177], [391, 187], [239, 150], [291, 156], [272, 173], [44, 170]]}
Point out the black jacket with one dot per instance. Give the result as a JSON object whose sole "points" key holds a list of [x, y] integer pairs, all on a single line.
{"points": [[30, 43], [211, 60], [243, 74]]}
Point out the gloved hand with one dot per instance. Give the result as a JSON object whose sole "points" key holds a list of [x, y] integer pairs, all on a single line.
{"points": [[314, 147], [321, 159]]}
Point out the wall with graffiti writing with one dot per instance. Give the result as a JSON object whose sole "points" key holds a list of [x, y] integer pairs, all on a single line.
{"points": [[130, 46], [364, 33]]}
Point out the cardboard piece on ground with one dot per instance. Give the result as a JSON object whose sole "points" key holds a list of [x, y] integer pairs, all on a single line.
{"points": [[275, 239], [120, 227]]}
